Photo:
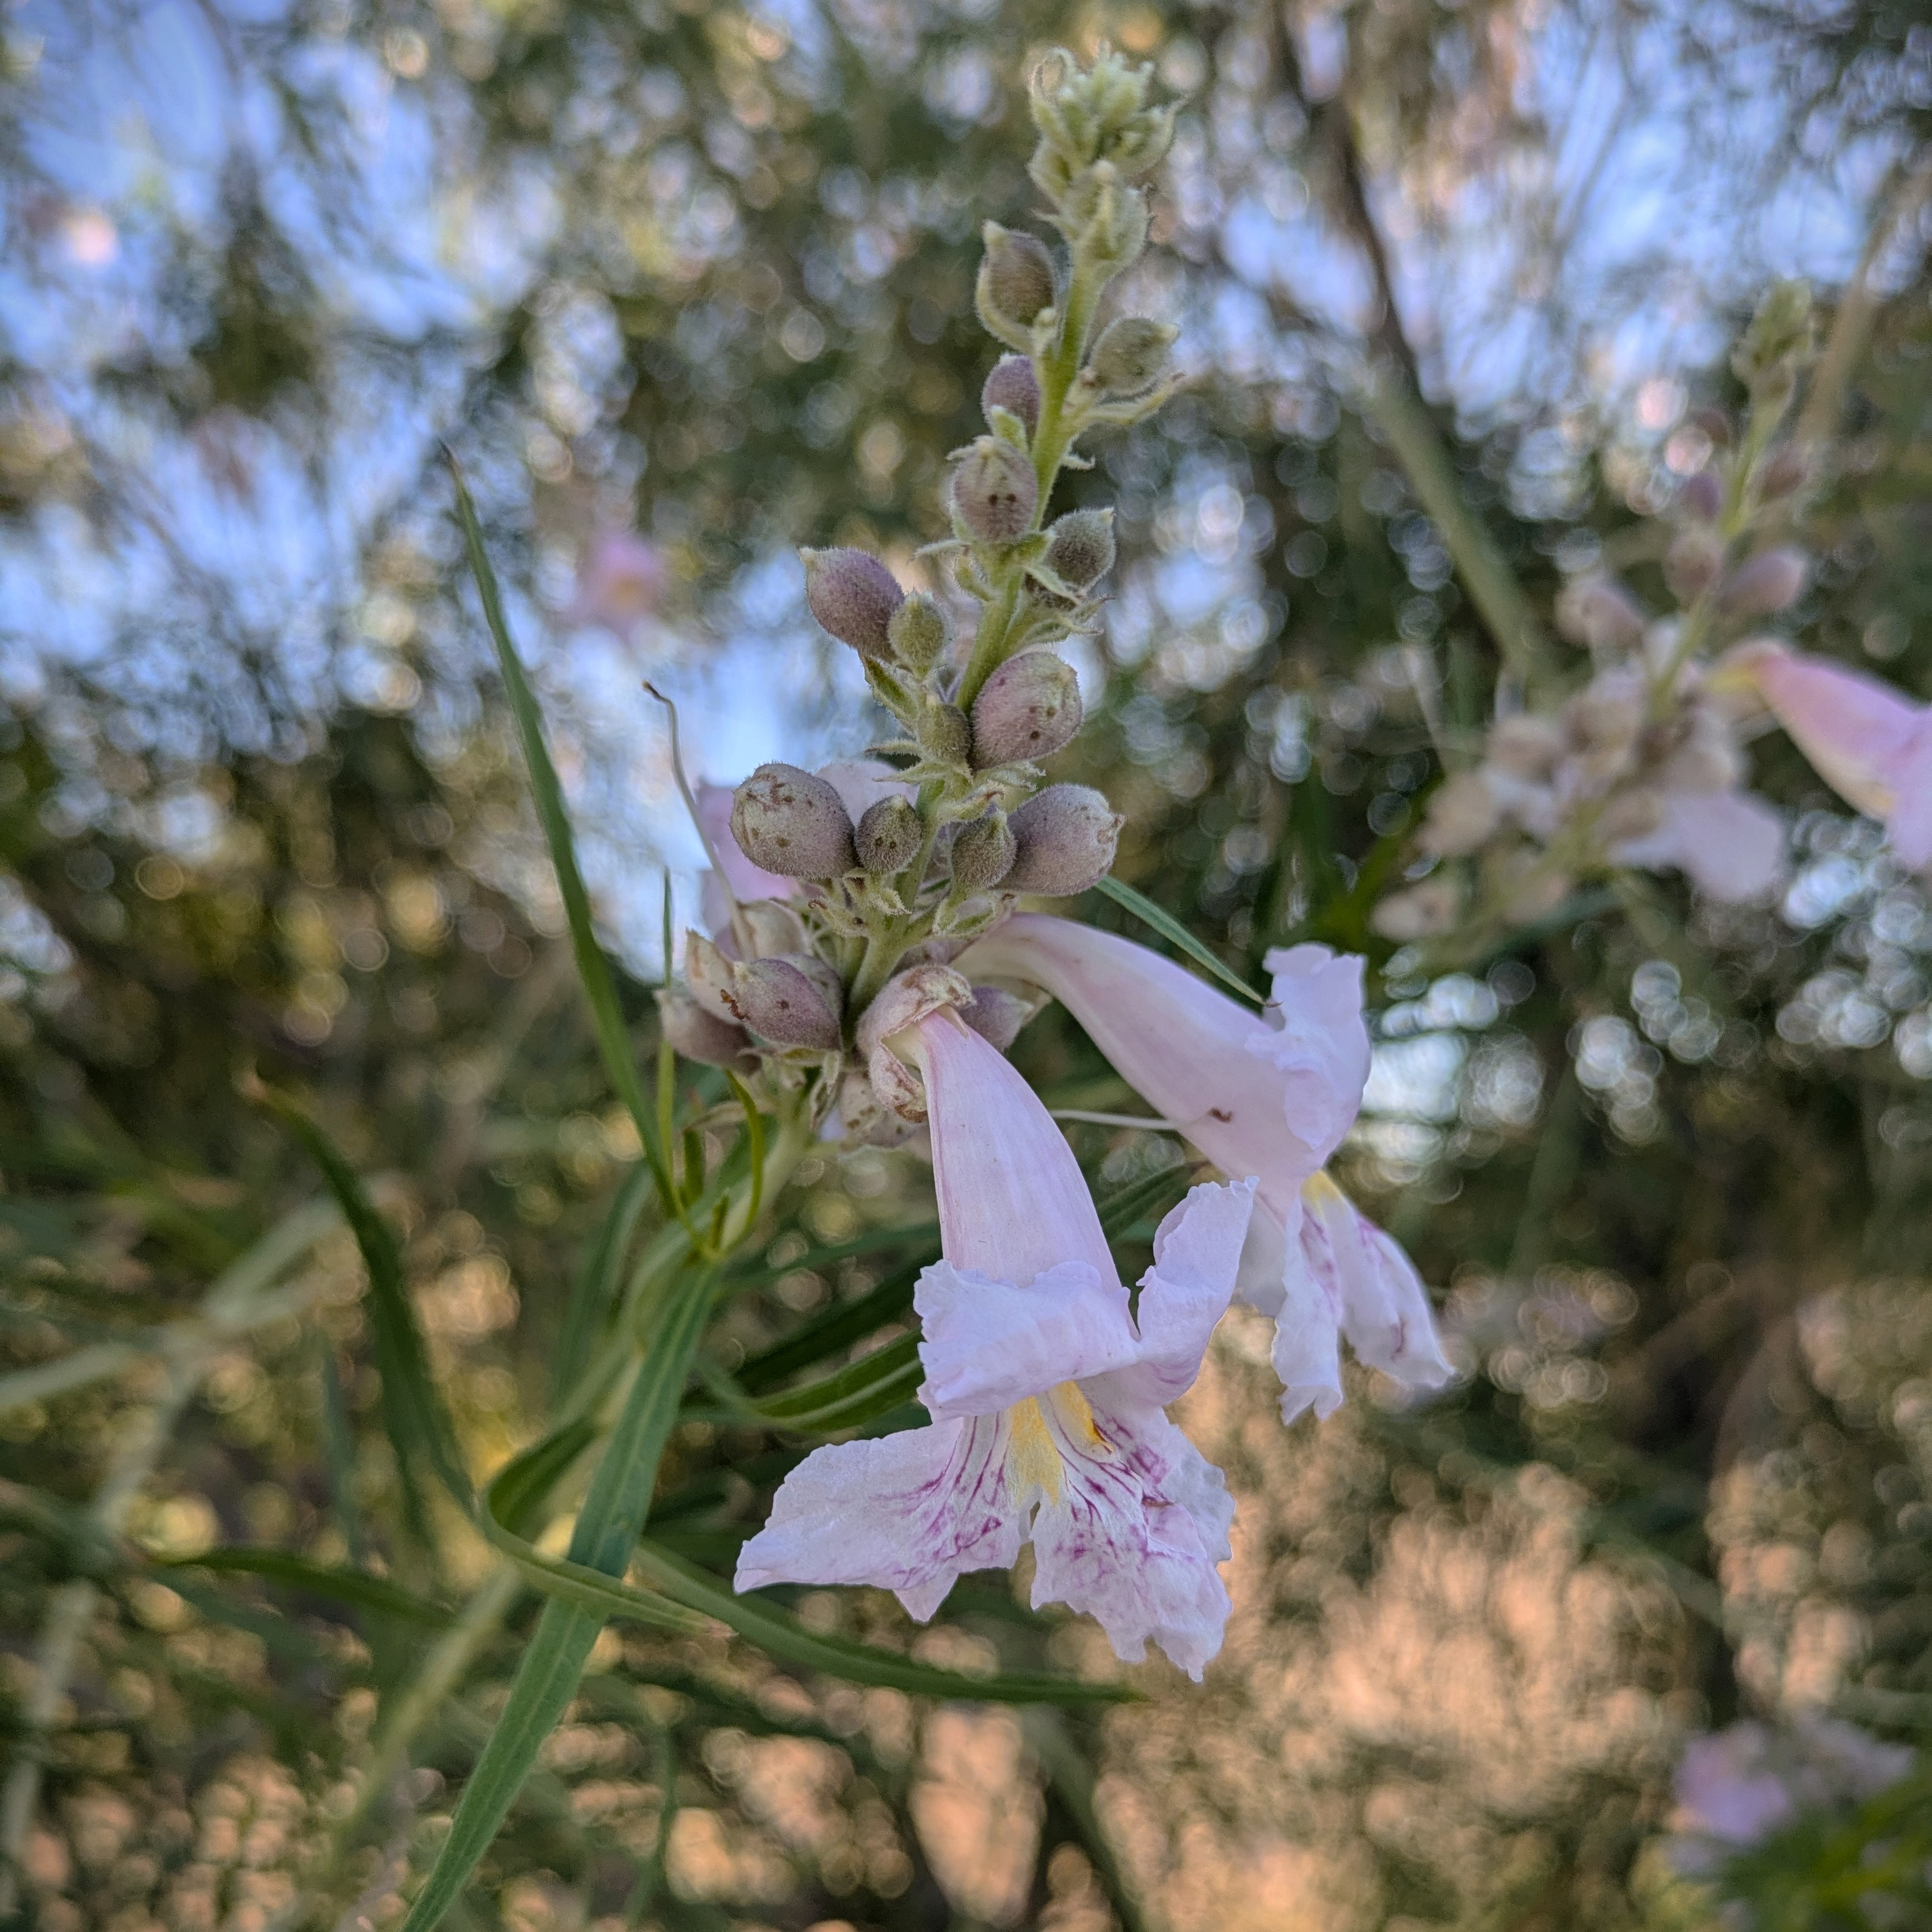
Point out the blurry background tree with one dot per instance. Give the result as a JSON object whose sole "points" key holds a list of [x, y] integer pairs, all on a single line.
{"points": [[686, 285]]}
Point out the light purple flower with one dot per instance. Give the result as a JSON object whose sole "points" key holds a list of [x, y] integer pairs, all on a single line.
{"points": [[1737, 1786], [1046, 1391], [1271, 1095], [1729, 843], [1870, 743], [620, 579]]}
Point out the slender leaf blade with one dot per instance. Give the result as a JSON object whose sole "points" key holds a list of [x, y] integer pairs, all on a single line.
{"points": [[594, 1293], [1172, 930], [359, 1589]]}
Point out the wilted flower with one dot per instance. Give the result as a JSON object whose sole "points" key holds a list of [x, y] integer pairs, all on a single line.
{"points": [[1046, 1392], [1269, 1096]]}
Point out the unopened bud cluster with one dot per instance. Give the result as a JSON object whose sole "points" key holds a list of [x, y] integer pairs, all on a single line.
{"points": [[892, 869], [1643, 761]]}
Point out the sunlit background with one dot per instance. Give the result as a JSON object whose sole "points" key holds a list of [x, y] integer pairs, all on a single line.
{"points": [[681, 287]]}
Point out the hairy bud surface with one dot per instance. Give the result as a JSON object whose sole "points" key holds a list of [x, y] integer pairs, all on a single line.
{"points": [[995, 491], [1065, 837], [854, 596], [887, 836], [1029, 708], [790, 822]]}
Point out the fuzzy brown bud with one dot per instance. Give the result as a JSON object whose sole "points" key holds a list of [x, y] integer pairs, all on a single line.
{"points": [[1131, 354], [854, 596], [794, 1000], [1066, 836], [921, 633], [1786, 469], [982, 852], [1012, 385], [789, 822], [995, 491], [698, 1034], [1015, 279], [1029, 708], [1702, 496], [997, 1015], [1772, 580], [1080, 546], [945, 736], [1692, 562], [1599, 612], [887, 836]]}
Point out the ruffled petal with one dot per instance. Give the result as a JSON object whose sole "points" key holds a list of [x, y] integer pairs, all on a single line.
{"points": [[1307, 1352], [907, 1513], [1319, 1042], [990, 1344], [1197, 1255], [1135, 1559], [1385, 1310]]}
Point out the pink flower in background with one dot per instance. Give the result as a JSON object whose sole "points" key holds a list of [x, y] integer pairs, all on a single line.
{"points": [[1737, 1786], [620, 581], [1046, 1392], [1269, 1095], [1729, 843], [1871, 744]]}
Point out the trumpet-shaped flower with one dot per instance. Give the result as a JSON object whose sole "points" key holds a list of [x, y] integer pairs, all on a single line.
{"points": [[1871, 744], [1045, 1387], [1269, 1096]]}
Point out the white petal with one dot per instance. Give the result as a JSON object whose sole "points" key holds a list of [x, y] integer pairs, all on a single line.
{"points": [[989, 1344], [1319, 1041], [1385, 1310], [1730, 845], [1135, 1559], [1197, 1254], [1307, 1340], [907, 1513], [1909, 821]]}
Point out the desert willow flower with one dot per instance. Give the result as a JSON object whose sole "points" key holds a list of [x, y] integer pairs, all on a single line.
{"points": [[1046, 1389], [1270, 1095], [1869, 742]]}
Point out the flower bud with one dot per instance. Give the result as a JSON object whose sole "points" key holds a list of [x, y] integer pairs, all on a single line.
{"points": [[771, 925], [709, 977], [903, 1001], [1015, 280], [1013, 386], [887, 836], [920, 632], [1065, 836], [997, 1015], [864, 1117], [794, 1000], [1525, 746], [1772, 580], [1029, 708], [1786, 469], [1692, 562], [853, 595], [943, 733], [1463, 814], [995, 491], [1131, 354], [1418, 912], [1702, 496], [1080, 546], [1600, 613], [699, 1034], [789, 822], [982, 852]]}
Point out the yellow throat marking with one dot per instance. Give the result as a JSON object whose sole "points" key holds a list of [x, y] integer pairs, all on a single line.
{"points": [[1034, 1460]]}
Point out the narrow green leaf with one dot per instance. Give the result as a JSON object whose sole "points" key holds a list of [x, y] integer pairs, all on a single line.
{"points": [[599, 1276], [607, 1529], [925, 1236], [1172, 930], [836, 1328], [519, 1489], [418, 1424], [763, 1623], [592, 969], [358, 1589], [856, 1394]]}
